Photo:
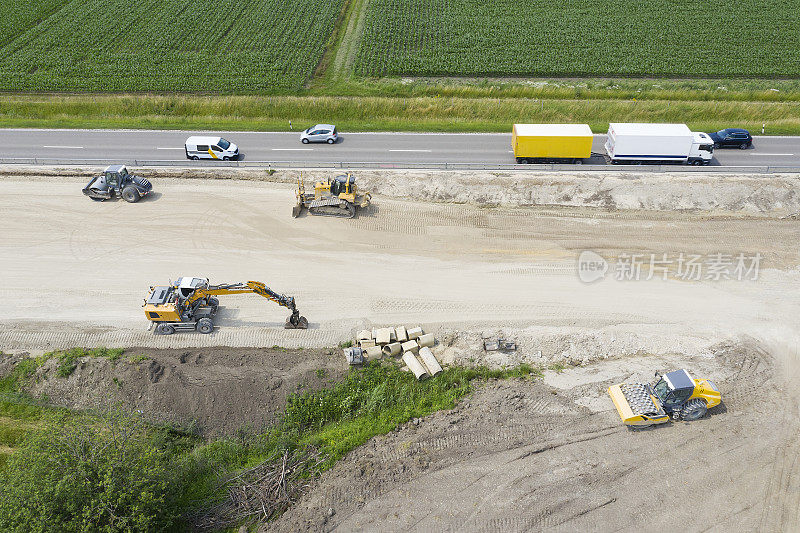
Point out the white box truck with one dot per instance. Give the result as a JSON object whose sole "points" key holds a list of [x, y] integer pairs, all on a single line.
{"points": [[657, 143]]}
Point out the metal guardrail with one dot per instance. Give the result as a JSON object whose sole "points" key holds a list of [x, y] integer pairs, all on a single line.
{"points": [[373, 165]]}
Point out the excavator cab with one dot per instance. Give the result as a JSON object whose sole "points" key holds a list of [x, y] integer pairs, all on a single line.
{"points": [[187, 286]]}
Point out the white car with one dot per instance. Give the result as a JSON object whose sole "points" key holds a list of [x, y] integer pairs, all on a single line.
{"points": [[210, 148], [321, 133]]}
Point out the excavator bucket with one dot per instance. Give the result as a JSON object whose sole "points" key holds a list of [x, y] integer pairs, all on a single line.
{"points": [[300, 322], [296, 210]]}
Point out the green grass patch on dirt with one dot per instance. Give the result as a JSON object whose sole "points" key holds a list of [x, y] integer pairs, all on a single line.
{"points": [[369, 401], [19, 412], [68, 359], [193, 475]]}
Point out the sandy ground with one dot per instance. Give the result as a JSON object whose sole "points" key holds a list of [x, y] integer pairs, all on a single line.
{"points": [[76, 271], [516, 456], [525, 456], [628, 188]]}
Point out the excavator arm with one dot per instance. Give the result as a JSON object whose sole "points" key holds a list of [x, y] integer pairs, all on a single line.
{"points": [[295, 321]]}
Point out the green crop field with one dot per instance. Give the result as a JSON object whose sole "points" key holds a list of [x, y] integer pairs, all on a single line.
{"points": [[224, 46], [670, 38]]}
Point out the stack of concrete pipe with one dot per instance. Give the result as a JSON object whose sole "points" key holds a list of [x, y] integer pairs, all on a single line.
{"points": [[413, 344]]}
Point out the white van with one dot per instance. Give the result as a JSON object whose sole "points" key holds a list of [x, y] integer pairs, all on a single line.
{"points": [[210, 148]]}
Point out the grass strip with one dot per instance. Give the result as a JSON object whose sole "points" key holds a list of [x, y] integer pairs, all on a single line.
{"points": [[254, 113]]}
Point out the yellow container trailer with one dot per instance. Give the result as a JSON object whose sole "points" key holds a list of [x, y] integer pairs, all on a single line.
{"points": [[551, 143]]}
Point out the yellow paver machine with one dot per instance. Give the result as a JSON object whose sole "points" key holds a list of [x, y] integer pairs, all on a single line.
{"points": [[674, 394]]}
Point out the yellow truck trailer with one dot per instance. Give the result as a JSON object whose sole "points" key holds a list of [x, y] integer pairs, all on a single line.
{"points": [[548, 143]]}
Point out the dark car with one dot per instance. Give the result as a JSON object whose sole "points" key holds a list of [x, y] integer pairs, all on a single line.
{"points": [[733, 138]]}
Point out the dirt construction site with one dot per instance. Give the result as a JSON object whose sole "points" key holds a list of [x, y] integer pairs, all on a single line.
{"points": [[586, 272]]}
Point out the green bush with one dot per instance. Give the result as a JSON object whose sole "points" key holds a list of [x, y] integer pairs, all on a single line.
{"points": [[109, 473]]}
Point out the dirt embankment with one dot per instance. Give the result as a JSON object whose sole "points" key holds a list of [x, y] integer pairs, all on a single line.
{"points": [[530, 456], [215, 391], [770, 195]]}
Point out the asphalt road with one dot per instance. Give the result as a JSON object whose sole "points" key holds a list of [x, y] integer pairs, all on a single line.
{"points": [[416, 148]]}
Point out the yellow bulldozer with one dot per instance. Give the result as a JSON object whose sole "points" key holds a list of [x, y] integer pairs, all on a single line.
{"points": [[191, 304], [337, 197], [675, 394]]}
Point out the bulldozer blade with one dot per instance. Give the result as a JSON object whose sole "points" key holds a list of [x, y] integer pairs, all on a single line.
{"points": [[296, 211]]}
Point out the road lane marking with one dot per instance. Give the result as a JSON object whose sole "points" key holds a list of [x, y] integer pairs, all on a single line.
{"points": [[756, 153], [409, 150], [67, 147], [292, 149]]}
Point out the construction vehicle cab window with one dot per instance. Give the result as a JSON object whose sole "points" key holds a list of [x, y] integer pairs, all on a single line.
{"points": [[191, 304]]}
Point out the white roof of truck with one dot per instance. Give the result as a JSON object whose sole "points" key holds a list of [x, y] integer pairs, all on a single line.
{"points": [[558, 130], [202, 140], [641, 128]]}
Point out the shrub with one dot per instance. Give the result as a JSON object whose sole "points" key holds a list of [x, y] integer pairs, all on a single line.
{"points": [[96, 473]]}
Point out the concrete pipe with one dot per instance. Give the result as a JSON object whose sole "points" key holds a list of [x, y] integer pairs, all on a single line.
{"points": [[413, 333], [374, 352], [414, 365], [426, 340], [393, 348], [430, 362], [409, 346], [392, 335], [400, 333], [383, 336], [366, 344], [365, 335]]}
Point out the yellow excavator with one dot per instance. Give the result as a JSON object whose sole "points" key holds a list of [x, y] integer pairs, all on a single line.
{"points": [[337, 197], [190, 304]]}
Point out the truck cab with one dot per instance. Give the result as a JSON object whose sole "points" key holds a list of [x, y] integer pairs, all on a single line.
{"points": [[702, 151]]}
